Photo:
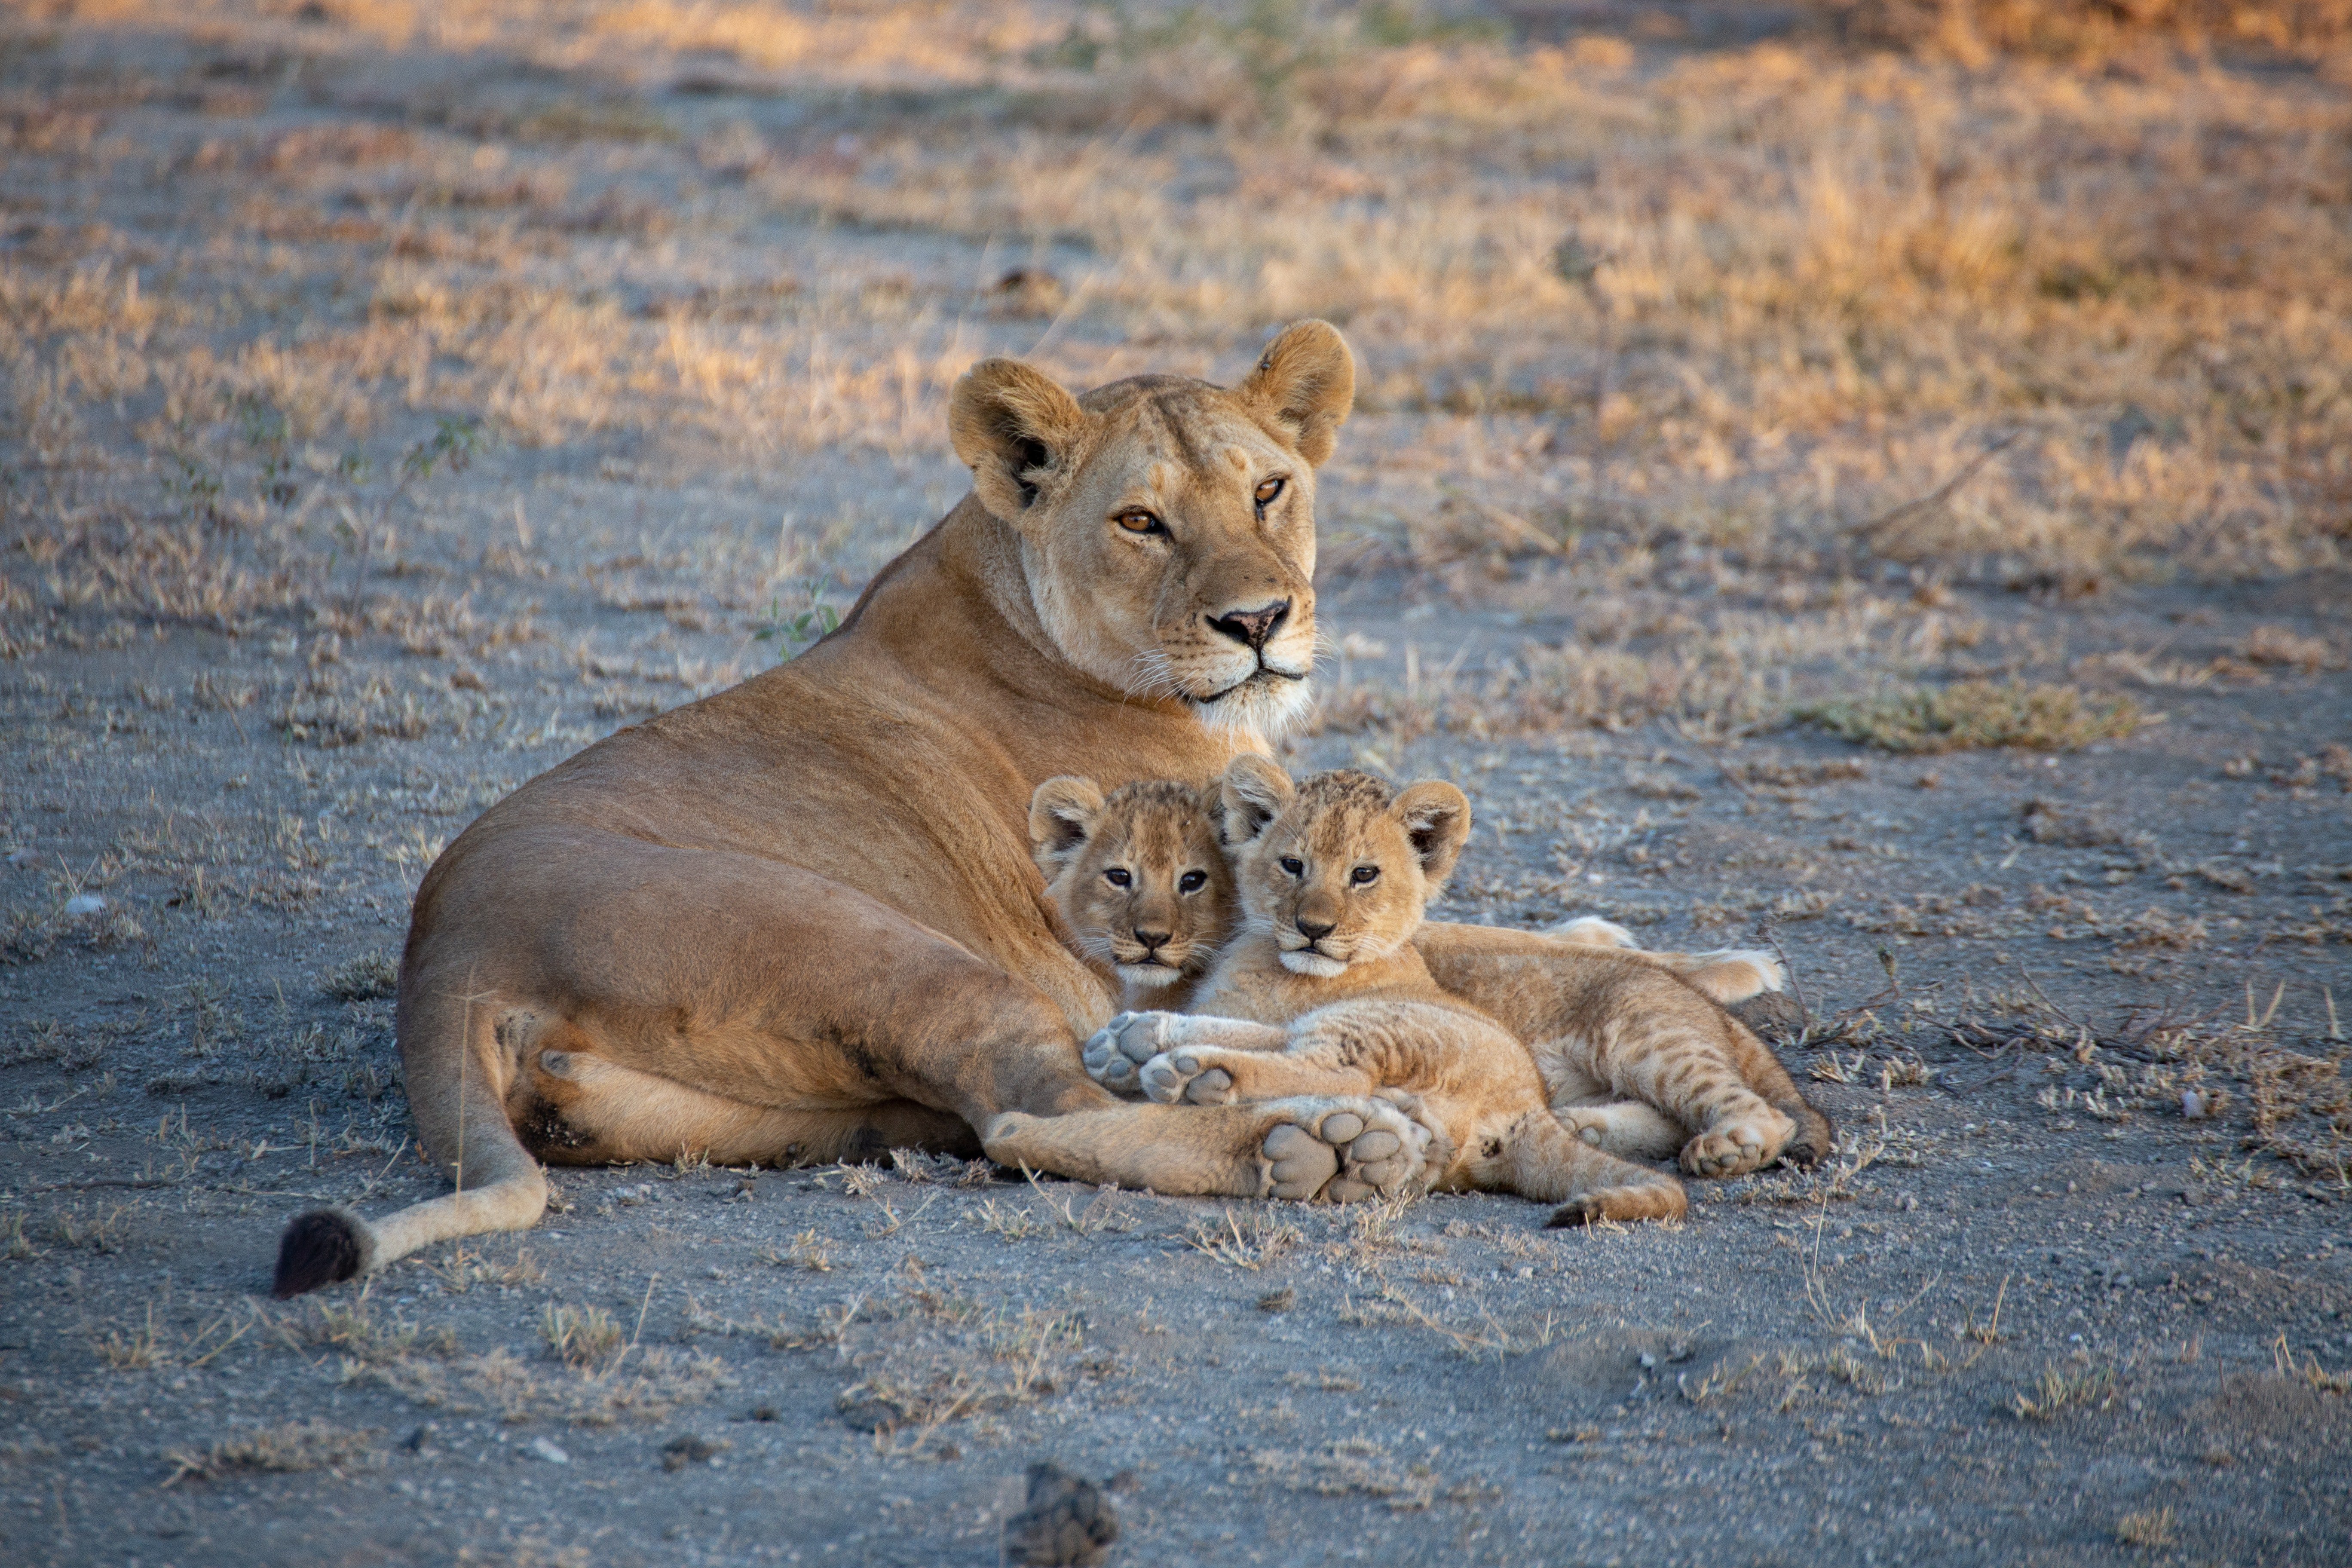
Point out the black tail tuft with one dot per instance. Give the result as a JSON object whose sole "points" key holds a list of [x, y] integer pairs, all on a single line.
{"points": [[1816, 1137], [324, 1247]]}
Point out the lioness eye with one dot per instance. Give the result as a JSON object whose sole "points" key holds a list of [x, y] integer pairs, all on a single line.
{"points": [[1191, 881], [1292, 864], [1363, 875], [1140, 521], [1116, 876], [1266, 494]]}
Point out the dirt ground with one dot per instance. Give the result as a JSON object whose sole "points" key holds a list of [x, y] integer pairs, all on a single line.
{"points": [[1892, 505]]}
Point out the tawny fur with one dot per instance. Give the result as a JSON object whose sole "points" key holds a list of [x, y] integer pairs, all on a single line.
{"points": [[1578, 1061], [1322, 992], [799, 921], [1140, 878]]}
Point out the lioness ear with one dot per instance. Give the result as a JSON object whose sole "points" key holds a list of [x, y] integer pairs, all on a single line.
{"points": [[1014, 425], [1437, 817], [1255, 792], [1061, 819], [1305, 381]]}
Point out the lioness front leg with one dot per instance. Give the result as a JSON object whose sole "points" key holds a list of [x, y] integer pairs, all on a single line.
{"points": [[1115, 1054], [1340, 1149]]}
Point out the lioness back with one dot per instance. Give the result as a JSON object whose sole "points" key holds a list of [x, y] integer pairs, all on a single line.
{"points": [[1140, 877]]}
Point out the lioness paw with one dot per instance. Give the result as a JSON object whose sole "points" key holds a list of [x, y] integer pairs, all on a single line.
{"points": [[1345, 1152], [1748, 1144], [1115, 1054]]}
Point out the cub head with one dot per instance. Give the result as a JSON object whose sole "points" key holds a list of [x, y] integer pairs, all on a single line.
{"points": [[1337, 867], [1166, 526], [1138, 874]]}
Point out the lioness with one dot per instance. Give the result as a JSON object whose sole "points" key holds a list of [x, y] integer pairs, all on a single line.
{"points": [[798, 920], [1152, 852]]}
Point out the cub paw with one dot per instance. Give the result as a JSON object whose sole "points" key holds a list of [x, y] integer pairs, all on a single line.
{"points": [[1749, 1143], [1115, 1054], [1179, 1076], [1649, 1197], [1362, 1149]]}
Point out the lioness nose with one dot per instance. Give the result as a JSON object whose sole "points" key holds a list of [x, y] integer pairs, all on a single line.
{"points": [[1252, 627], [1151, 939], [1315, 931]]}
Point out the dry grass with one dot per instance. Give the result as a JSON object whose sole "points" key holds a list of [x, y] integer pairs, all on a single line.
{"points": [[1243, 1239], [2150, 1529], [1975, 713], [2062, 1388], [313, 1445], [581, 1336], [1761, 324]]}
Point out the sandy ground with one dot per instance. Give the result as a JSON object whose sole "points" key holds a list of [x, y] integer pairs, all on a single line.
{"points": [[2075, 1290]]}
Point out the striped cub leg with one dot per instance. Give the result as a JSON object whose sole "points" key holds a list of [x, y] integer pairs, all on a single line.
{"points": [[1537, 1157], [1683, 1062]]}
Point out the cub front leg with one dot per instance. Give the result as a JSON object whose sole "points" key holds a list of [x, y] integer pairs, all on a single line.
{"points": [[1115, 1054], [1214, 1075]]}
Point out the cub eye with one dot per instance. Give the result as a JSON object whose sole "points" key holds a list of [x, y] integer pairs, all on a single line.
{"points": [[1116, 876], [1191, 881], [1266, 493], [1294, 864], [1363, 875], [1140, 521]]}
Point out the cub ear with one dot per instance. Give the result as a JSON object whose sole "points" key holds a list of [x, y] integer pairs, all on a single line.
{"points": [[1016, 427], [1254, 792], [1305, 382], [1437, 817], [1061, 819]]}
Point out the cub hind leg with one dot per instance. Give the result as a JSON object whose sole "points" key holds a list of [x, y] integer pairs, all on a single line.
{"points": [[1538, 1156], [1625, 1128]]}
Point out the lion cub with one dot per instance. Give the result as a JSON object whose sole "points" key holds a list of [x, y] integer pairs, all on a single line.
{"points": [[1322, 993], [1140, 877]]}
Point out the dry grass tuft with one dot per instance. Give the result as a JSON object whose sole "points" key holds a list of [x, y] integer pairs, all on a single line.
{"points": [[2062, 1388], [1243, 1241], [2150, 1529], [312, 1445], [581, 1336], [363, 979], [1979, 713]]}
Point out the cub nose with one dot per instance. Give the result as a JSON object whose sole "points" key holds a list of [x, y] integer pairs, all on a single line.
{"points": [[1252, 627], [1153, 941], [1315, 931]]}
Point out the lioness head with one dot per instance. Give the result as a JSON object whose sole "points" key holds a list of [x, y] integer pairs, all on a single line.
{"points": [[1140, 875], [1338, 868], [1167, 526]]}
